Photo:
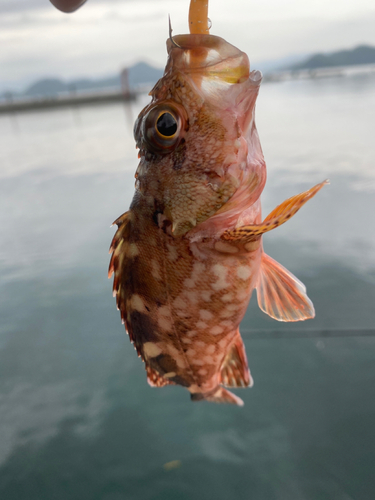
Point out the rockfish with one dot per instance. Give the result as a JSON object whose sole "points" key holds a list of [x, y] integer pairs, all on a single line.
{"points": [[188, 253]]}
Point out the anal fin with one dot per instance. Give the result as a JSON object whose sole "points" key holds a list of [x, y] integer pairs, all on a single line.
{"points": [[280, 294], [154, 378], [235, 371]]}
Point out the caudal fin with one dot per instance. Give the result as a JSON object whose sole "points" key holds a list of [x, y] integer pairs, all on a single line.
{"points": [[220, 395]]}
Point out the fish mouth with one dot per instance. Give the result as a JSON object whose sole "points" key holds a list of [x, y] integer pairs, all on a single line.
{"points": [[207, 56]]}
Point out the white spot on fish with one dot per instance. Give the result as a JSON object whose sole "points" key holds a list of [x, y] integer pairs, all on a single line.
{"points": [[199, 343], [222, 246], [206, 296], [252, 245], [165, 323], [194, 389], [223, 343], [189, 283], [226, 314], [198, 269], [210, 349], [242, 295], [132, 250], [151, 350], [201, 325], [232, 307], [170, 374], [221, 272], [244, 272], [179, 303], [183, 314], [185, 340], [190, 352], [180, 362], [216, 330], [155, 270], [175, 354], [202, 371], [227, 297], [173, 351], [192, 296], [205, 315], [198, 362], [137, 304], [227, 324], [172, 252]]}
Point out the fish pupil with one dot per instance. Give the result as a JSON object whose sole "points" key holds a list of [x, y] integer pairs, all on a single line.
{"points": [[166, 125]]}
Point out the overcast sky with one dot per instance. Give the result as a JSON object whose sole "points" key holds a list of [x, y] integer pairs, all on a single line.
{"points": [[103, 36]]}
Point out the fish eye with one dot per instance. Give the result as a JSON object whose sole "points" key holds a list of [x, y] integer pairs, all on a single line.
{"points": [[166, 124], [162, 128]]}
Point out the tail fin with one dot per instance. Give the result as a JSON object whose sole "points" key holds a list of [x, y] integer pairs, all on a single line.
{"points": [[220, 395]]}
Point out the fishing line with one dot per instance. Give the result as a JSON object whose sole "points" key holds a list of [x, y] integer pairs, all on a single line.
{"points": [[308, 333]]}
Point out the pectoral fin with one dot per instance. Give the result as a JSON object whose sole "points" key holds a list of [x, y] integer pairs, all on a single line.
{"points": [[280, 294], [277, 217]]}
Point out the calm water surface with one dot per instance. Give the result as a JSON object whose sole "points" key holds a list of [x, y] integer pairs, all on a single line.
{"points": [[78, 420]]}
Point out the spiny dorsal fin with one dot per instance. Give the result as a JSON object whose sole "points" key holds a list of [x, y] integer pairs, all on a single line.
{"points": [[280, 294], [119, 263], [235, 371], [276, 218], [155, 379], [121, 235]]}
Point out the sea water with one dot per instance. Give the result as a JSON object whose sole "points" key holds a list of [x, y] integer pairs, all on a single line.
{"points": [[77, 417]]}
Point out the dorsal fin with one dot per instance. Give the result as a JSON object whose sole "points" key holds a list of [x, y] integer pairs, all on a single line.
{"points": [[119, 264], [155, 379], [235, 371], [280, 294]]}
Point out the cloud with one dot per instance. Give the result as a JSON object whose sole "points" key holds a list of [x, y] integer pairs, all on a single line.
{"points": [[21, 5], [105, 36], [7, 6]]}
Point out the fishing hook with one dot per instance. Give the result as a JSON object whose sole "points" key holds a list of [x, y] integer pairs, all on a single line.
{"points": [[170, 34]]}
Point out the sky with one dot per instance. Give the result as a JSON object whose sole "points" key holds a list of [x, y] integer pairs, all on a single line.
{"points": [[37, 41]]}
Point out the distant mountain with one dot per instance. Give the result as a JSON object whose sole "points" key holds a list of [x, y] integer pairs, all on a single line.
{"points": [[272, 65], [138, 74], [363, 54], [48, 86]]}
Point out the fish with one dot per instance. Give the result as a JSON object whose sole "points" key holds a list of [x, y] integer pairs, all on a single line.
{"points": [[188, 253]]}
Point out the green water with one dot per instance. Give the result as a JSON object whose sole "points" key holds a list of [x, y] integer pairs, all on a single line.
{"points": [[77, 418]]}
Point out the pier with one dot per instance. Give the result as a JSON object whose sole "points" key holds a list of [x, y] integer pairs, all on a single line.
{"points": [[73, 98]]}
